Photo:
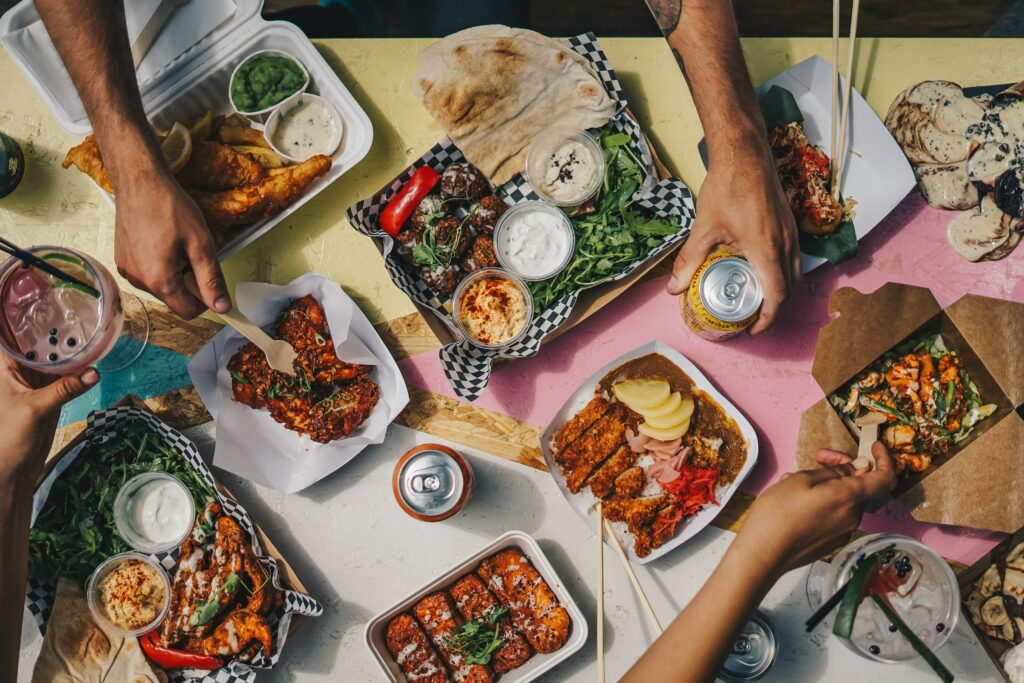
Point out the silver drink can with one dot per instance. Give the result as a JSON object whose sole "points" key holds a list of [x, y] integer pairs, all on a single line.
{"points": [[730, 290], [432, 482], [753, 652]]}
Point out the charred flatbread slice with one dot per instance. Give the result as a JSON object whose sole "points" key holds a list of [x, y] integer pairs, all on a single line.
{"points": [[983, 232], [930, 120]]}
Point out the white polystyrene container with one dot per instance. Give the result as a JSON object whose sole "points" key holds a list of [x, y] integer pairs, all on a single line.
{"points": [[538, 664], [198, 80]]}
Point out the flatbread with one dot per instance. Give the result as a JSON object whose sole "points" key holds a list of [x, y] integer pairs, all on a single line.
{"points": [[492, 89], [930, 120], [76, 650]]}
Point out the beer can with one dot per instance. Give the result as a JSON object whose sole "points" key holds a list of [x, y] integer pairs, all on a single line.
{"points": [[432, 482], [753, 652], [724, 296], [12, 164]]}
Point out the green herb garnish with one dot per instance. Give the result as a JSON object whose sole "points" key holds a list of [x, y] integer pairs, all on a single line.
{"points": [[477, 639], [75, 530]]}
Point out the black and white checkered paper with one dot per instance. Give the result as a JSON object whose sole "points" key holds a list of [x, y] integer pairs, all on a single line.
{"points": [[467, 366], [106, 425]]}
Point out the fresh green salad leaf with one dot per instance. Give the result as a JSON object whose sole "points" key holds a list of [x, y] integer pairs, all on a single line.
{"points": [[75, 530], [612, 236], [477, 639]]}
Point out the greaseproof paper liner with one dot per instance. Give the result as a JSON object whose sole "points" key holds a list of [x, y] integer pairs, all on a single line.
{"points": [[107, 425], [468, 367], [249, 442]]}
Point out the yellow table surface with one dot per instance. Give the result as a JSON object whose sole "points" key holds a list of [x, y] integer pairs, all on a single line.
{"points": [[63, 207]]}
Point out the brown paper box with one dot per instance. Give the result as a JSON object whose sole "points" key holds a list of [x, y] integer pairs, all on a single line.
{"points": [[977, 483], [291, 580], [994, 647]]}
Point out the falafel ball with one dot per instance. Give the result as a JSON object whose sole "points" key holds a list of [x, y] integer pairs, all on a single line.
{"points": [[480, 255], [485, 213], [463, 181], [431, 204], [442, 279], [452, 236], [406, 241]]}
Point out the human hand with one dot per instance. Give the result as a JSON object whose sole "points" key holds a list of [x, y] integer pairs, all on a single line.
{"points": [[808, 513], [30, 405], [741, 203], [160, 234]]}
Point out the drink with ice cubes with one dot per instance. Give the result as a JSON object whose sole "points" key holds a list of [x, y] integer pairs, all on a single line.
{"points": [[55, 326], [928, 598]]}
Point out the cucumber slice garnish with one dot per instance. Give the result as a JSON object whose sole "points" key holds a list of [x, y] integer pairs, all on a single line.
{"points": [[78, 288]]}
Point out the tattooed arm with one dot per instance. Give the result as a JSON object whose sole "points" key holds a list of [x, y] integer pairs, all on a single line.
{"points": [[741, 202]]}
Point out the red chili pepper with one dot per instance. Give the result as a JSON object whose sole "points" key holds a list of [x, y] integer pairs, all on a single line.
{"points": [[401, 206], [167, 658]]}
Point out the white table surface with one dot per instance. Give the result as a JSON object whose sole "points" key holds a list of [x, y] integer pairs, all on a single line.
{"points": [[358, 553]]}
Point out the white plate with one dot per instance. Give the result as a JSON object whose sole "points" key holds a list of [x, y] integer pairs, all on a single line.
{"points": [[536, 665], [583, 501]]}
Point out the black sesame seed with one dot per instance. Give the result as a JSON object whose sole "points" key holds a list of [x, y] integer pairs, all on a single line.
{"points": [[874, 649], [940, 627], [52, 357], [72, 341], [892, 628], [53, 340], [901, 574], [53, 330], [30, 355]]}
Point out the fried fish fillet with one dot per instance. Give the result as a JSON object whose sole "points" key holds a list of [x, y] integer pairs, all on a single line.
{"points": [[215, 166], [531, 603], [279, 190], [85, 156]]}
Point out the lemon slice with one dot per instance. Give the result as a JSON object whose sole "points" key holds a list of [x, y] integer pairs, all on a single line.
{"points": [[671, 405], [642, 394], [664, 434], [177, 147], [203, 126]]}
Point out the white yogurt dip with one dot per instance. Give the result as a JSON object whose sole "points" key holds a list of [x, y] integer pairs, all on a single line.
{"points": [[306, 129], [154, 511], [534, 240]]}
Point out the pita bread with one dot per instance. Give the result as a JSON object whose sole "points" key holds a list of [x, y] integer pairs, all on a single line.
{"points": [[76, 650], [930, 121], [492, 89]]}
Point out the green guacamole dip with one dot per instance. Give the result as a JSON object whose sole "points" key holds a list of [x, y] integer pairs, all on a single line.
{"points": [[265, 81]]}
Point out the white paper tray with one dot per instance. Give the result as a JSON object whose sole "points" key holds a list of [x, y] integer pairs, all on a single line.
{"points": [[583, 501], [538, 663], [198, 81]]}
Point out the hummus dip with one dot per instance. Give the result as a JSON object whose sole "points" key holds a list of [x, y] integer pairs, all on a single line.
{"points": [[493, 310], [133, 594], [570, 173]]}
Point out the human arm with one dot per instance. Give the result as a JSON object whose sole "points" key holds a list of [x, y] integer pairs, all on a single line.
{"points": [[159, 230], [792, 523], [741, 202], [28, 419]]}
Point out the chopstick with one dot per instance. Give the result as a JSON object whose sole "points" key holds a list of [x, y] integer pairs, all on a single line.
{"points": [[33, 260], [600, 591], [835, 87], [824, 610], [632, 578], [839, 153]]}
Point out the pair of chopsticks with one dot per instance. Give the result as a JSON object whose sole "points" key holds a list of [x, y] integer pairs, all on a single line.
{"points": [[839, 142], [31, 259], [603, 526]]}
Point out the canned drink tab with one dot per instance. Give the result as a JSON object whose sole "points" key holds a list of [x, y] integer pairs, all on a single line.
{"points": [[753, 652], [432, 482], [730, 290]]}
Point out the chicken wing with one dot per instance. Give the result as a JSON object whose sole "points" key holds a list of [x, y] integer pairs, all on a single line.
{"points": [[413, 652], [85, 156], [279, 190], [531, 603], [214, 166]]}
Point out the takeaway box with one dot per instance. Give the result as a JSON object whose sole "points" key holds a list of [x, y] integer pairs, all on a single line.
{"points": [[978, 482]]}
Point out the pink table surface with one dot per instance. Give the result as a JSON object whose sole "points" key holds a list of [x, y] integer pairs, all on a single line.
{"points": [[768, 377]]}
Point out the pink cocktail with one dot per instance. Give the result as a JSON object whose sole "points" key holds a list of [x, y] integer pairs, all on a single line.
{"points": [[54, 326]]}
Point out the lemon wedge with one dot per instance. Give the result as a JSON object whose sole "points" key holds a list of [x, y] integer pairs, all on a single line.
{"points": [[177, 147]]}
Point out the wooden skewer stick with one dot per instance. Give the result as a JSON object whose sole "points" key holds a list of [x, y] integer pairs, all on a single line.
{"points": [[834, 130], [600, 591], [632, 578], [840, 154]]}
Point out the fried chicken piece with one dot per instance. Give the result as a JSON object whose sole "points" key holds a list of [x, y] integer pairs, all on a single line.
{"points": [[235, 634], [635, 512], [251, 376], [577, 425], [629, 484], [304, 326], [85, 156], [275, 193], [215, 166], [474, 601], [604, 479], [437, 615], [328, 419], [531, 603], [408, 644], [602, 439]]}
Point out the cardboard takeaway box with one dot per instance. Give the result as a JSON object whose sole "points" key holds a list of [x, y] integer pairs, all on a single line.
{"points": [[980, 482], [994, 647]]}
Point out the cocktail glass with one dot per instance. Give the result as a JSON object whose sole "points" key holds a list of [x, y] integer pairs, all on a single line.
{"points": [[54, 326], [928, 601]]}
